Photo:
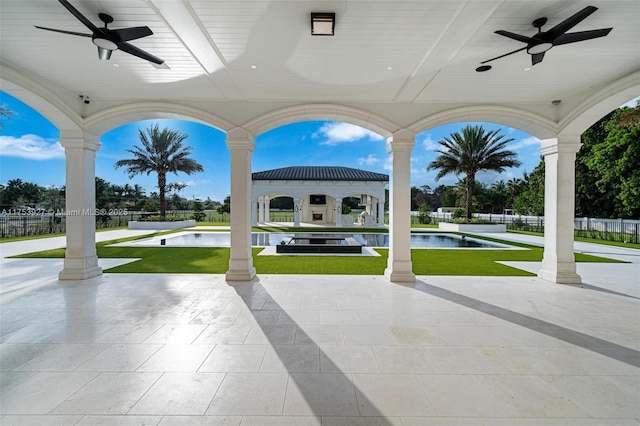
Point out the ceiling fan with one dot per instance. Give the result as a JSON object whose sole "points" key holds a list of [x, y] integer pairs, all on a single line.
{"points": [[540, 43], [109, 40]]}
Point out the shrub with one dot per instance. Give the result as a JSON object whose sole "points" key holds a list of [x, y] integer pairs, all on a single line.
{"points": [[458, 214], [474, 220], [167, 218], [423, 214]]}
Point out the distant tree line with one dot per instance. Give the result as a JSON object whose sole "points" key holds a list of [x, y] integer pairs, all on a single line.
{"points": [[19, 194]]}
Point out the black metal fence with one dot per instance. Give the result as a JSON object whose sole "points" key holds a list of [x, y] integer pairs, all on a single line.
{"points": [[40, 224], [621, 230]]}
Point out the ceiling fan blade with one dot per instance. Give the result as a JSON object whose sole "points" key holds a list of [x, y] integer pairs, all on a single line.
{"points": [[581, 36], [515, 36], [132, 50], [104, 54], [79, 16], [502, 56], [133, 33], [537, 58], [63, 31], [570, 22]]}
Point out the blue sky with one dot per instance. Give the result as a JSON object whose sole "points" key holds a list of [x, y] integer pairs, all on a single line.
{"points": [[30, 150]]}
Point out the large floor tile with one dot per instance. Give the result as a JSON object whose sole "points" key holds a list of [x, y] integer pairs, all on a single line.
{"points": [[109, 393], [250, 394], [179, 394], [41, 393], [120, 357], [320, 395], [177, 358], [234, 358], [291, 359], [390, 395]]}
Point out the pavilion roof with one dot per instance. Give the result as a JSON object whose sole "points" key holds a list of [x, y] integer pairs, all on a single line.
{"points": [[319, 173]]}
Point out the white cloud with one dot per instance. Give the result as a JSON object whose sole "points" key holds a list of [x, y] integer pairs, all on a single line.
{"points": [[522, 143], [429, 144], [388, 164], [30, 147], [195, 182], [337, 133], [489, 177], [370, 160]]}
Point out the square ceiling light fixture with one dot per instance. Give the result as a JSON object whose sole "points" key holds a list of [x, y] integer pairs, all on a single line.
{"points": [[322, 23]]}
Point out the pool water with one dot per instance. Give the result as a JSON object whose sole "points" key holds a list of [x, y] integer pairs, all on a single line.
{"points": [[264, 239]]}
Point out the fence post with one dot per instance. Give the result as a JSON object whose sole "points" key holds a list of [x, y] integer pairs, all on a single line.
{"points": [[636, 233]]}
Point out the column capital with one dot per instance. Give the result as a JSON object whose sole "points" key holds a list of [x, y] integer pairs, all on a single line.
{"points": [[568, 145], [240, 138], [79, 140], [401, 140]]}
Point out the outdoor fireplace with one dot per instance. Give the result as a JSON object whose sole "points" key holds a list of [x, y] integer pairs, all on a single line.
{"points": [[317, 217]]}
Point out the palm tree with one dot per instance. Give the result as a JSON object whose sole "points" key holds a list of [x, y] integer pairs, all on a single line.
{"points": [[4, 113], [471, 151], [162, 152]]}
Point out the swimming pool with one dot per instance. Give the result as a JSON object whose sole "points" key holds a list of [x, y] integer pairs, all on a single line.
{"points": [[265, 239]]}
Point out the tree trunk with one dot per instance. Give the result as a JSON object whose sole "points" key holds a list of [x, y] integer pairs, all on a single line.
{"points": [[470, 184], [162, 184]]}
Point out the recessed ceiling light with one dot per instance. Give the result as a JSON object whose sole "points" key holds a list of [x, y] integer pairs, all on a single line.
{"points": [[389, 68], [323, 24], [527, 68], [483, 68], [253, 67], [116, 65]]}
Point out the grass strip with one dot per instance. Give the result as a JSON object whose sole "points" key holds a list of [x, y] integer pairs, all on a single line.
{"points": [[215, 260]]}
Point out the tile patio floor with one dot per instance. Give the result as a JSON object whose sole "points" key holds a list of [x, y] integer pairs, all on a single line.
{"points": [[184, 349]]}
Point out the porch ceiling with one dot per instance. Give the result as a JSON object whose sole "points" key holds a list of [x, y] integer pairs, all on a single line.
{"points": [[401, 60]]}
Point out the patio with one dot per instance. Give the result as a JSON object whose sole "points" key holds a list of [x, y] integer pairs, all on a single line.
{"points": [[299, 350]]}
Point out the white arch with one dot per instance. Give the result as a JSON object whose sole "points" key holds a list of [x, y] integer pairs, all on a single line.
{"points": [[40, 98], [103, 121], [601, 103], [534, 124], [310, 112]]}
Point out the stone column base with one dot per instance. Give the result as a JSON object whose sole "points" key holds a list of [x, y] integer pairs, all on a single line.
{"points": [[241, 275], [397, 274], [567, 278], [80, 269]]}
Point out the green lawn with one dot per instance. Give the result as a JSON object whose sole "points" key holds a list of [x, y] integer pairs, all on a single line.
{"points": [[213, 260], [586, 240]]}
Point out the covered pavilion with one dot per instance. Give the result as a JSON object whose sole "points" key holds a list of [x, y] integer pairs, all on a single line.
{"points": [[309, 186], [396, 68]]}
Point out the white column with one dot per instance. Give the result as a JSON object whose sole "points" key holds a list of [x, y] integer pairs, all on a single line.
{"points": [[558, 263], [267, 209], [296, 212], [254, 213], [261, 210], [399, 268], [338, 212], [381, 213], [80, 261], [241, 146]]}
